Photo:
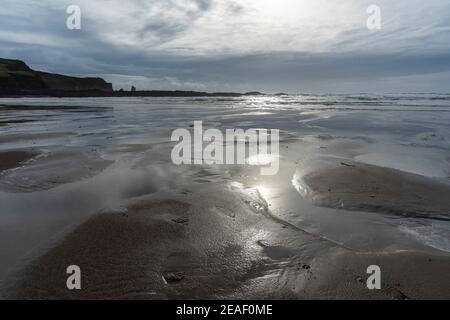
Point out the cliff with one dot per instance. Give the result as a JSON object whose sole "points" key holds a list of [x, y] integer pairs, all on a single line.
{"points": [[16, 75], [19, 80]]}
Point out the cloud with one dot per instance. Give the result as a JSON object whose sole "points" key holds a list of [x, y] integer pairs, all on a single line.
{"points": [[275, 45], [142, 82]]}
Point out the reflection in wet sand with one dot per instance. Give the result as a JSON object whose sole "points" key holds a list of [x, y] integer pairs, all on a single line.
{"points": [[91, 180]]}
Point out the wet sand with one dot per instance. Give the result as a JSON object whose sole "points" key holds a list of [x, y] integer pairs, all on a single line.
{"points": [[217, 243], [169, 232], [13, 159], [52, 168], [351, 185]]}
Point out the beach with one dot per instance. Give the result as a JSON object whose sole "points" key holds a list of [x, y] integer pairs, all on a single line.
{"points": [[363, 180], [170, 248]]}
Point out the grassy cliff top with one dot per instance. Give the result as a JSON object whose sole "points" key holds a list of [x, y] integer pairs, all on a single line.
{"points": [[10, 67]]}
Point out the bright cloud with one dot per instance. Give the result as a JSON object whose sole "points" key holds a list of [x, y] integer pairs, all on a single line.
{"points": [[286, 43]]}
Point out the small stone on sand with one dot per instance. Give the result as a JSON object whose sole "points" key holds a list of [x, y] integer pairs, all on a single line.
{"points": [[172, 277], [180, 220]]}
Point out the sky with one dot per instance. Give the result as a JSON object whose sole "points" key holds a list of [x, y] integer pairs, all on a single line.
{"points": [[294, 46]]}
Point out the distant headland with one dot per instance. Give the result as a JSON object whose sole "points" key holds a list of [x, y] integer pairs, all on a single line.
{"points": [[17, 79]]}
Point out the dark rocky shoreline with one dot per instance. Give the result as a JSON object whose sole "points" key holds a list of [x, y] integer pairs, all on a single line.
{"points": [[12, 93]]}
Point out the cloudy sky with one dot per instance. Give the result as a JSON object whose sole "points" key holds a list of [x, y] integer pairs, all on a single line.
{"points": [[237, 45]]}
